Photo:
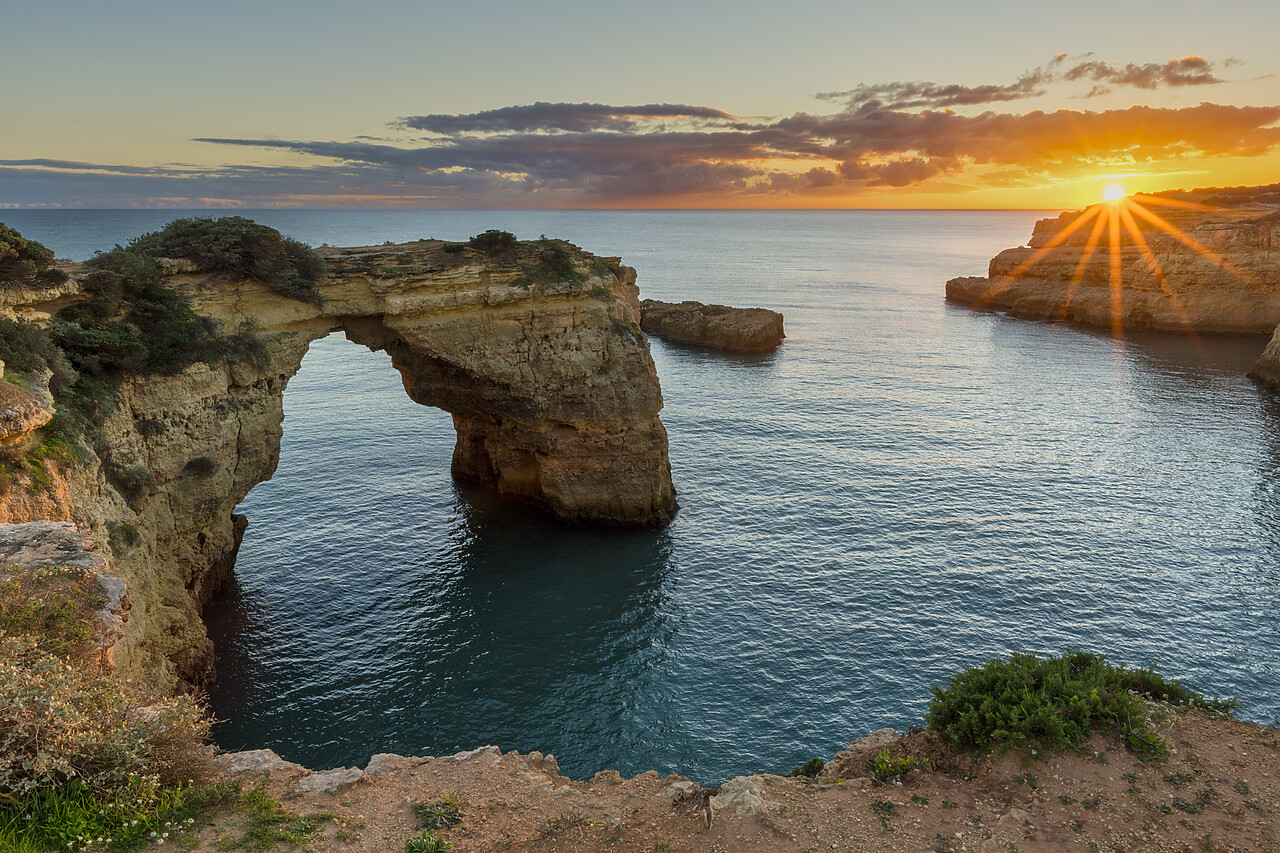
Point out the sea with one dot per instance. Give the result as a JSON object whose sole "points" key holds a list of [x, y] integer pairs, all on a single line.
{"points": [[903, 489]]}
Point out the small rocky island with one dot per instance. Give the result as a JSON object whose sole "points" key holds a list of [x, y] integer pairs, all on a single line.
{"points": [[715, 326]]}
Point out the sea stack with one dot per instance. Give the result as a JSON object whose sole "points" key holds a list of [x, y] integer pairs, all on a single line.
{"points": [[715, 326]]}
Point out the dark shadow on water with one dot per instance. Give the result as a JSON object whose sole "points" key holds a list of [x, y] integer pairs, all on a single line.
{"points": [[509, 629], [710, 356]]}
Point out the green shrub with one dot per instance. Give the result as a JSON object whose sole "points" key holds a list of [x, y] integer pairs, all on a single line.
{"points": [[810, 769], [134, 481], [53, 603], [427, 842], [440, 814], [26, 349], [1052, 702], [239, 247], [60, 723], [454, 248], [555, 263], [123, 535], [139, 326], [887, 768], [53, 449], [24, 261], [493, 242]]}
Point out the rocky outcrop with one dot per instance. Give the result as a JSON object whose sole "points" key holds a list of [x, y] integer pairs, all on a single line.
{"points": [[1267, 368], [21, 413], [44, 547], [716, 326], [552, 389], [1209, 271]]}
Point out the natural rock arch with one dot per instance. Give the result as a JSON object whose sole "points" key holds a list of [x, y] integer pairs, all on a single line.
{"points": [[550, 383]]}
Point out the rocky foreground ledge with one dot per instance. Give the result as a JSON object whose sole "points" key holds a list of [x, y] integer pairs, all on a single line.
{"points": [[1220, 790], [715, 326]]}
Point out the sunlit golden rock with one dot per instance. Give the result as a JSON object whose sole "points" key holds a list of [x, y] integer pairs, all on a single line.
{"points": [[1143, 263]]}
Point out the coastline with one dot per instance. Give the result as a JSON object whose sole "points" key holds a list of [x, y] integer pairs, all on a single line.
{"points": [[1102, 796], [744, 789]]}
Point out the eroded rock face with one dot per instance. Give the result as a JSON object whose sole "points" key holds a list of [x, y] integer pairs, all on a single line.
{"points": [[553, 393], [21, 412], [716, 326], [1221, 274]]}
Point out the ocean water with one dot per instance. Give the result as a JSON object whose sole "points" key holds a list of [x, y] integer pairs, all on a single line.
{"points": [[902, 489]]}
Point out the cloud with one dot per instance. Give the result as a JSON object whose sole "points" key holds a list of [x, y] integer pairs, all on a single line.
{"points": [[911, 95], [869, 148], [1188, 71], [554, 118], [548, 154]]}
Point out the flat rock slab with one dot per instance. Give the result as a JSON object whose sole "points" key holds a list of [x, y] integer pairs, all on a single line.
{"points": [[329, 782], [258, 761], [716, 326]]}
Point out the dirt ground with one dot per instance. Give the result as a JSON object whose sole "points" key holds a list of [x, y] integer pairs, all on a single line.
{"points": [[1218, 790]]}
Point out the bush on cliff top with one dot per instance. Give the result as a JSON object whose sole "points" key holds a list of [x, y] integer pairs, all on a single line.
{"points": [[131, 323], [60, 723], [493, 242], [1052, 702], [25, 262], [239, 247]]}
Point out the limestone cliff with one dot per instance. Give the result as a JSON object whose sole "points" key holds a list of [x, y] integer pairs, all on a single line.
{"points": [[1146, 263], [551, 386]]}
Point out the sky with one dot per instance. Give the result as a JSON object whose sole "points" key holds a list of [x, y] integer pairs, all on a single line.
{"points": [[558, 104]]}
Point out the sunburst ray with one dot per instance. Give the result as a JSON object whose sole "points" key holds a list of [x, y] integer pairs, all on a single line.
{"points": [[1195, 245], [1090, 247], [1057, 240], [1116, 277], [1153, 264]]}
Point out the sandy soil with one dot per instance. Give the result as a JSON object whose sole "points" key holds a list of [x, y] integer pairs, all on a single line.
{"points": [[1219, 790]]}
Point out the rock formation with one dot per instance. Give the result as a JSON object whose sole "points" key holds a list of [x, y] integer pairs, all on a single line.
{"points": [[1267, 368], [1148, 263], [553, 393], [716, 326], [41, 546]]}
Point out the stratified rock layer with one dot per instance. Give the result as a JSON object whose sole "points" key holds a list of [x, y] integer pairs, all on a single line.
{"points": [[717, 326], [552, 389], [1219, 273]]}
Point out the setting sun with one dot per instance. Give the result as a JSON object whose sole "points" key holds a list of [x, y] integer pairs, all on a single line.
{"points": [[1113, 192]]}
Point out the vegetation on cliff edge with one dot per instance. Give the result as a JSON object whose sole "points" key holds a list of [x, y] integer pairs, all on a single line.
{"points": [[25, 262], [1052, 702], [240, 248], [133, 324], [81, 756]]}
